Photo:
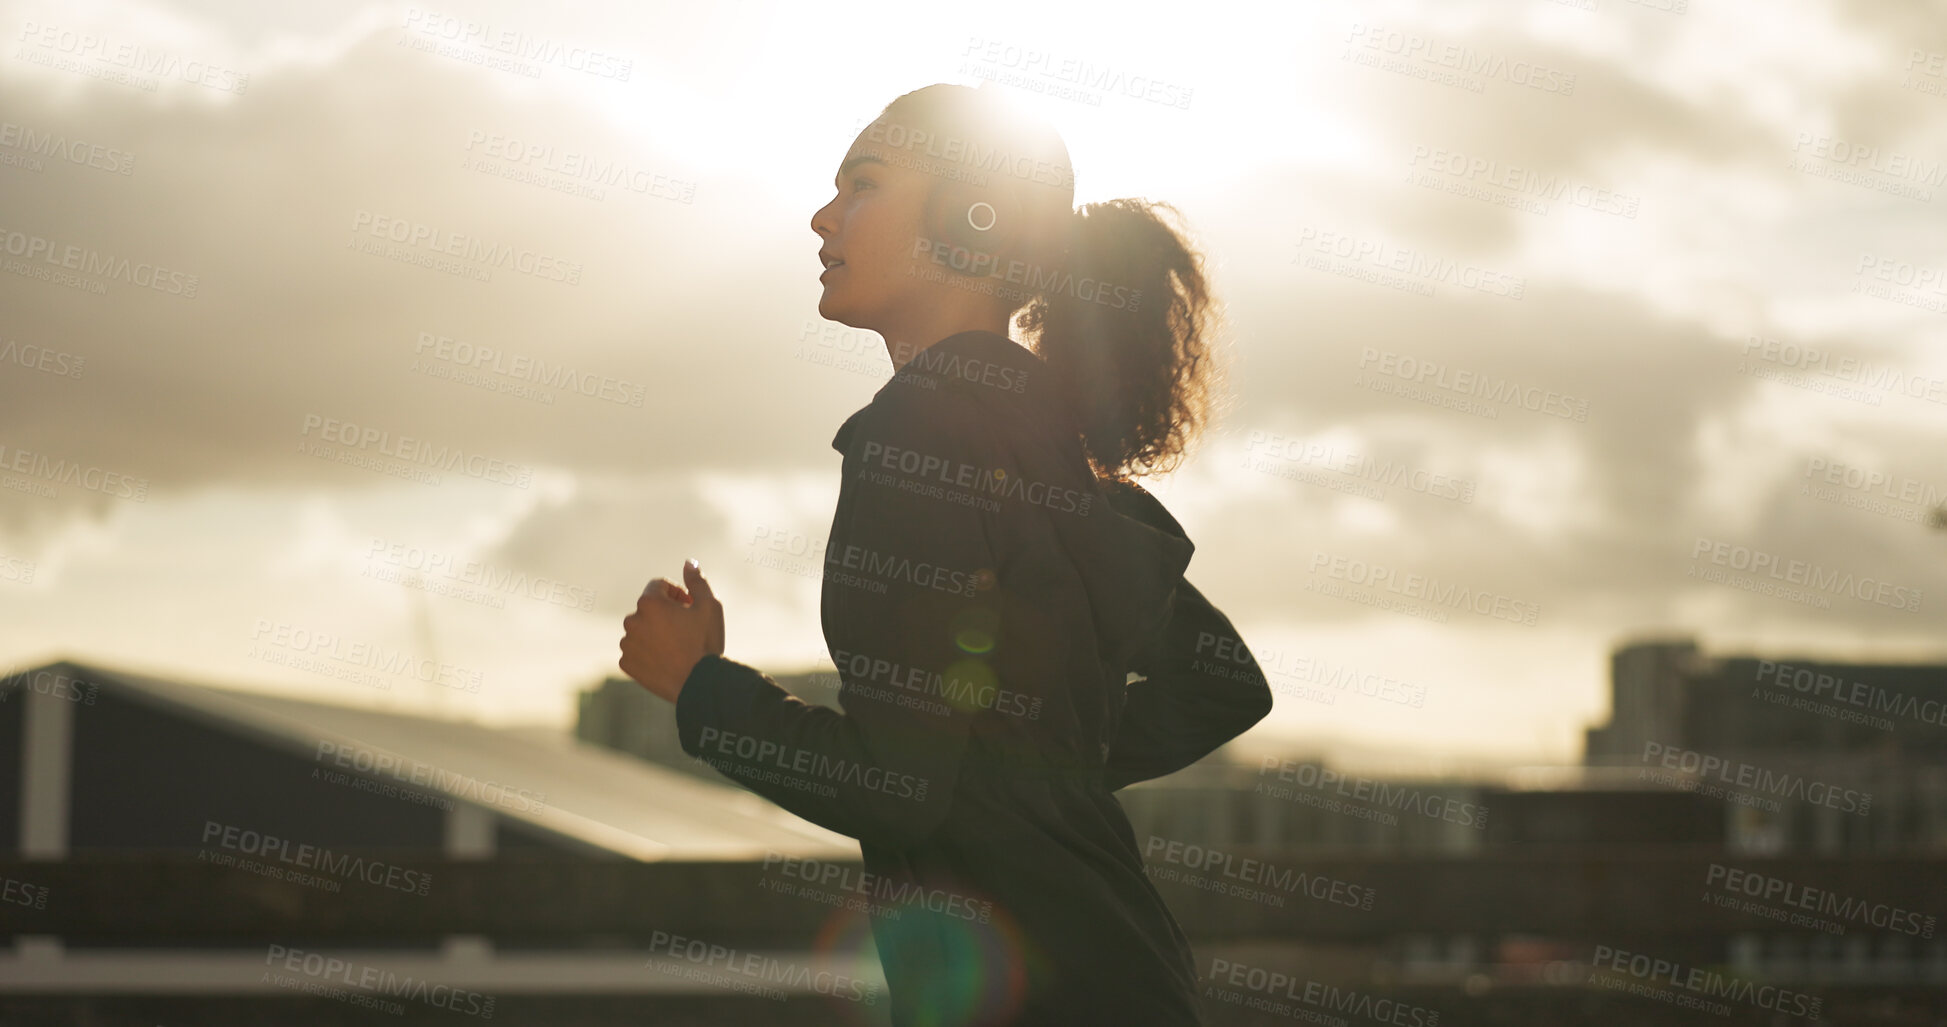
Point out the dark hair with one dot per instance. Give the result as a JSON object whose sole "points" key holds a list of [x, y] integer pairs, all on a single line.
{"points": [[1139, 371]]}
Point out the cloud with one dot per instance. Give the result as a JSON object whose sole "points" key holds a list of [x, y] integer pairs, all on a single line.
{"points": [[679, 397]]}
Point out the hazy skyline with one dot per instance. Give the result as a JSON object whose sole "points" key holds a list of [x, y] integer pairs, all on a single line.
{"points": [[1619, 233]]}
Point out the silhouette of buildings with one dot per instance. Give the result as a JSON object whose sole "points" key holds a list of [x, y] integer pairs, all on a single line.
{"points": [[1803, 754], [303, 802]]}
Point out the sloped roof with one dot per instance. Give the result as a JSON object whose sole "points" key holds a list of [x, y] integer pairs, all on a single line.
{"points": [[585, 792]]}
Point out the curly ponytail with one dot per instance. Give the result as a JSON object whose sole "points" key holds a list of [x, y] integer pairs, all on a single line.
{"points": [[1120, 309], [1129, 337]]}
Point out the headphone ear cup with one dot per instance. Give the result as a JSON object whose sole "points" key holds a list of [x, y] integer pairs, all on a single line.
{"points": [[973, 223]]}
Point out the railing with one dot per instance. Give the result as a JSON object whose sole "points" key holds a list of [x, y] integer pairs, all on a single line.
{"points": [[1562, 909]]}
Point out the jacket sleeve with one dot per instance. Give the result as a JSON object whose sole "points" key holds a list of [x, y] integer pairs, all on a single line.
{"points": [[906, 605], [1201, 688]]}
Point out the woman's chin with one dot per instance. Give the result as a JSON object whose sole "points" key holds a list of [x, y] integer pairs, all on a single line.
{"points": [[831, 308]]}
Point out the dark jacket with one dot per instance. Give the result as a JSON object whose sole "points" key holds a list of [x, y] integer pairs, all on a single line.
{"points": [[987, 603]]}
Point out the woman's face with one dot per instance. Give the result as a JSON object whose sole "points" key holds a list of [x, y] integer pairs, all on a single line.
{"points": [[872, 225]]}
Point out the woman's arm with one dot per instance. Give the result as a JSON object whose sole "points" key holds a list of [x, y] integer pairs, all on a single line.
{"points": [[884, 769], [1202, 688]]}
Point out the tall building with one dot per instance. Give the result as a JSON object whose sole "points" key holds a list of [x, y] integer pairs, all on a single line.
{"points": [[1804, 754], [1668, 693], [1648, 681]]}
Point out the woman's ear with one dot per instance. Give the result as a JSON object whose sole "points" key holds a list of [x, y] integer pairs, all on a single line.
{"points": [[979, 226]]}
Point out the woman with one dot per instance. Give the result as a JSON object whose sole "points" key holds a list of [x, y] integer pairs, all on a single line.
{"points": [[994, 584]]}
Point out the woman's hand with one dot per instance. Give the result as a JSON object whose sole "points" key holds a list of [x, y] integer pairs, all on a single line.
{"points": [[670, 631]]}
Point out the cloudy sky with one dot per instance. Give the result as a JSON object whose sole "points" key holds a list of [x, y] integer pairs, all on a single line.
{"points": [[1617, 318]]}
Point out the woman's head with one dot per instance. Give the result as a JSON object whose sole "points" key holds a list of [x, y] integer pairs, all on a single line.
{"points": [[954, 211]]}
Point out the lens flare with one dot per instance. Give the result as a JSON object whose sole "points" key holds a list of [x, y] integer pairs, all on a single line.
{"points": [[985, 972], [976, 630], [968, 682], [845, 939]]}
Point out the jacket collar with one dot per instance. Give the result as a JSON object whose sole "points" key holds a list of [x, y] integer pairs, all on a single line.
{"points": [[980, 363]]}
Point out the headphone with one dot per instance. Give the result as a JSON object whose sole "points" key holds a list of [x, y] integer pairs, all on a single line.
{"points": [[977, 224]]}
